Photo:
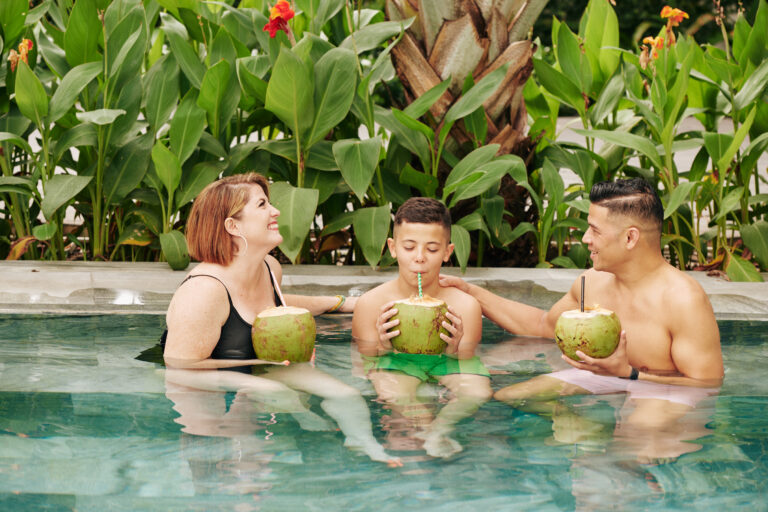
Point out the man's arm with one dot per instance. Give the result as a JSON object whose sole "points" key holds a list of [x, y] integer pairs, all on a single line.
{"points": [[515, 317]]}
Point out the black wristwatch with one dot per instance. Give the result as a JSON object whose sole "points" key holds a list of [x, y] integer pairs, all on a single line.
{"points": [[633, 374]]}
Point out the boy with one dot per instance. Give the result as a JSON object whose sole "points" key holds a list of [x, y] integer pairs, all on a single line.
{"points": [[420, 244]]}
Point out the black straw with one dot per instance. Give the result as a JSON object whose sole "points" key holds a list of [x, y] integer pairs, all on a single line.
{"points": [[582, 293]]}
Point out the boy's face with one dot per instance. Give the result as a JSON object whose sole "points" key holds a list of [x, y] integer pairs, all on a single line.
{"points": [[420, 248]]}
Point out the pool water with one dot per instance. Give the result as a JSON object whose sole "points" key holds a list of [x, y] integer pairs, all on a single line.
{"points": [[84, 425]]}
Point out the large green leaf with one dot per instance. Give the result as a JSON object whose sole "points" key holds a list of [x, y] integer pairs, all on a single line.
{"points": [[297, 210], [462, 245], [371, 36], [572, 59], [755, 237], [30, 94], [44, 231], [212, 90], [753, 86], [102, 116], [679, 195], [599, 28], [187, 126], [59, 190], [643, 145], [161, 91], [126, 170], [16, 140], [84, 33], [185, 55], [553, 183], [318, 12], [423, 182], [729, 203], [250, 73], [335, 77], [71, 86], [175, 250], [357, 161], [371, 227], [559, 85], [12, 16], [469, 163], [196, 179], [289, 93], [423, 103], [738, 138], [478, 181], [475, 97], [167, 166], [739, 269], [474, 222]]}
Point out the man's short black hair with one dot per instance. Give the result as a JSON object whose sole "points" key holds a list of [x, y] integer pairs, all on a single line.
{"points": [[633, 197], [424, 210]]}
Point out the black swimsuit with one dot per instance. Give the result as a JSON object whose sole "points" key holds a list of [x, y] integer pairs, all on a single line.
{"points": [[235, 338]]}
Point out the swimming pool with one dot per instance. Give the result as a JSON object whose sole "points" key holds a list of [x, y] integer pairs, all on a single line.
{"points": [[85, 425]]}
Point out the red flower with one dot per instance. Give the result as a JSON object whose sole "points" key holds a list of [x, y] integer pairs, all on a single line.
{"points": [[278, 18]]}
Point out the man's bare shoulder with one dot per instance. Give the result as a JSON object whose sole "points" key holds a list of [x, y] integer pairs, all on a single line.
{"points": [[683, 291]]}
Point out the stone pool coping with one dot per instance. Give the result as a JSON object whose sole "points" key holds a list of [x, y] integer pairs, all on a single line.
{"points": [[41, 287]]}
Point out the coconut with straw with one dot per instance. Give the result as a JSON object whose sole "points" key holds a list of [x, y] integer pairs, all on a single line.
{"points": [[421, 323]]}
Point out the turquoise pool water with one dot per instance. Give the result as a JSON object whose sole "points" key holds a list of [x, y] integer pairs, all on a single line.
{"points": [[84, 425]]}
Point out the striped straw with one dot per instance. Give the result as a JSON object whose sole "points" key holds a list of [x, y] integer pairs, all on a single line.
{"points": [[420, 293]]}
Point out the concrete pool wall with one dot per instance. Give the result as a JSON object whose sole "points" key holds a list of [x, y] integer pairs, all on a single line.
{"points": [[33, 287]]}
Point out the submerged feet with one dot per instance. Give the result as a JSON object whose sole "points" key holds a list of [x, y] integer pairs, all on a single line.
{"points": [[438, 444]]}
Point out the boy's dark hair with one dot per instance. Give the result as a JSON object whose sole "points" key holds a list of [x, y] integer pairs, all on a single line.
{"points": [[424, 210], [633, 197]]}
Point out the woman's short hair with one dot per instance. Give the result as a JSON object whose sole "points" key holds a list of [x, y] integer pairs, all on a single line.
{"points": [[207, 239]]}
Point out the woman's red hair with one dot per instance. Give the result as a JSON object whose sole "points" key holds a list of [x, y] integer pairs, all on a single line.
{"points": [[207, 239]]}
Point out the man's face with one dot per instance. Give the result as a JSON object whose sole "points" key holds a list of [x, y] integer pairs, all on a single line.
{"points": [[420, 248], [604, 237]]}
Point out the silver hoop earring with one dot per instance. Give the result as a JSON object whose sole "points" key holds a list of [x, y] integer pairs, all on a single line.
{"points": [[246, 243]]}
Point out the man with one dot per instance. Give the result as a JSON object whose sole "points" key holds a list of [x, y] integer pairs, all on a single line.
{"points": [[669, 351]]}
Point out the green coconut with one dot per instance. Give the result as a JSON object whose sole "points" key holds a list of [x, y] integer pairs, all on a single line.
{"points": [[594, 331], [284, 333], [421, 322]]}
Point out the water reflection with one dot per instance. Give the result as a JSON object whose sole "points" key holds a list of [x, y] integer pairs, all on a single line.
{"points": [[247, 412]]}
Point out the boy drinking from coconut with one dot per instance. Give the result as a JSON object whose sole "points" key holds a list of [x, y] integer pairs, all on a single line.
{"points": [[420, 244], [668, 357]]}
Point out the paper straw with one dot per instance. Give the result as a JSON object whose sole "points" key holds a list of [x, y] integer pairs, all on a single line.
{"points": [[420, 293], [582, 293]]}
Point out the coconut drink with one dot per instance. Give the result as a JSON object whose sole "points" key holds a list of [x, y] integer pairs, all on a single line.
{"points": [[594, 331], [284, 333], [421, 320]]}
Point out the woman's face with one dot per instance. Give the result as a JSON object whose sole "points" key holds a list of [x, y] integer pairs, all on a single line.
{"points": [[257, 221]]}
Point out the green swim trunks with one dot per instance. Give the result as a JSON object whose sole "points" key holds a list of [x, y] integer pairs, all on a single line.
{"points": [[424, 366]]}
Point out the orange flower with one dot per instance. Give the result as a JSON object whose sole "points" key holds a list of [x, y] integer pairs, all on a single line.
{"points": [[674, 16], [278, 18], [282, 9], [24, 47], [656, 43]]}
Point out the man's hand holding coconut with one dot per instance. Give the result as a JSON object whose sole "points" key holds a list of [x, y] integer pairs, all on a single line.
{"points": [[411, 330]]}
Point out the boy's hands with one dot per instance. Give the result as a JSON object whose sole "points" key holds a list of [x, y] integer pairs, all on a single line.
{"points": [[384, 324], [455, 329]]}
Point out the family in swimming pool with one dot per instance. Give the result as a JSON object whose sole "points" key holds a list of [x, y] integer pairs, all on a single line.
{"points": [[668, 357]]}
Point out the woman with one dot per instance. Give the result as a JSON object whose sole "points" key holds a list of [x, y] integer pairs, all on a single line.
{"points": [[231, 229]]}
